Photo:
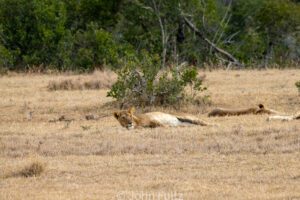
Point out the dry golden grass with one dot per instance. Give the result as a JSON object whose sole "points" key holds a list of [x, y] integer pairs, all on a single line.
{"points": [[245, 158], [98, 80]]}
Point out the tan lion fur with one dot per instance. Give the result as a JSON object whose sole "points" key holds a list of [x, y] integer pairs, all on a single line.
{"points": [[284, 117], [260, 109], [129, 120]]}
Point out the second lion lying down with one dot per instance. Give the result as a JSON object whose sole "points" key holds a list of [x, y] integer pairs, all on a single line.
{"points": [[260, 109], [129, 120]]}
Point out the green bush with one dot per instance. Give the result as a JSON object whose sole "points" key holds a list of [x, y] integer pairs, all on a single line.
{"points": [[142, 83], [298, 85]]}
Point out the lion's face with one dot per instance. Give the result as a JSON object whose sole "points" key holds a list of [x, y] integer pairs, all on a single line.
{"points": [[125, 118]]}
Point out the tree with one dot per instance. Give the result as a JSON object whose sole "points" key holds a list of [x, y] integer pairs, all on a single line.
{"points": [[77, 34], [267, 30], [80, 13], [156, 15], [31, 29]]}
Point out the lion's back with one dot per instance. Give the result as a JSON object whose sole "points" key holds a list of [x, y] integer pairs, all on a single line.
{"points": [[163, 118]]}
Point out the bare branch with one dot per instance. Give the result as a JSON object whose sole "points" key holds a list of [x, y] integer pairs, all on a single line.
{"points": [[229, 38], [220, 31], [230, 57]]}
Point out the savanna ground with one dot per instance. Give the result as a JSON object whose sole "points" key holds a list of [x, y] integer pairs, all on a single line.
{"points": [[245, 157]]}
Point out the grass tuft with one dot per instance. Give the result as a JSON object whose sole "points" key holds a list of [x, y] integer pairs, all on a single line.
{"points": [[34, 169]]}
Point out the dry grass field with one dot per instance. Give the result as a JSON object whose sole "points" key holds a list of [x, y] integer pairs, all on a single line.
{"points": [[245, 157]]}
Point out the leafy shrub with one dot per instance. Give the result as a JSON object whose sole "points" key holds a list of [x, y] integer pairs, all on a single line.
{"points": [[298, 85], [142, 83]]}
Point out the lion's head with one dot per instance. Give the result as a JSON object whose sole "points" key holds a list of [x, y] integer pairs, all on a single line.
{"points": [[262, 110], [125, 117]]}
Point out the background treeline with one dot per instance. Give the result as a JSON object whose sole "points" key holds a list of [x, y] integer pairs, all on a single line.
{"points": [[87, 34]]}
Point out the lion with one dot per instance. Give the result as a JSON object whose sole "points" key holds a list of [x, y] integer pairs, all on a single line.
{"points": [[260, 109], [284, 117], [129, 120]]}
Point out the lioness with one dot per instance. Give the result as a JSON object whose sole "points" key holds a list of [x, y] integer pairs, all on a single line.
{"points": [[129, 120], [260, 109], [284, 117]]}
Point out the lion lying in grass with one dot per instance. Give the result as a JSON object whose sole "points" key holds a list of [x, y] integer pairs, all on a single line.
{"points": [[284, 117], [129, 120], [260, 109]]}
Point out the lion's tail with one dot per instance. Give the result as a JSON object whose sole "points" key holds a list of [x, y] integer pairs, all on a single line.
{"points": [[193, 120]]}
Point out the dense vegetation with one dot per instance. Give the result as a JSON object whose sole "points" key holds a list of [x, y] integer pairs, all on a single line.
{"points": [[147, 85], [84, 35]]}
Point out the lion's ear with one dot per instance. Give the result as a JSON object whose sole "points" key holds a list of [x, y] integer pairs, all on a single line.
{"points": [[131, 110], [116, 115], [261, 106]]}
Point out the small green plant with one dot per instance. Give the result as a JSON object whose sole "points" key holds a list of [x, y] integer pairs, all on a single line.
{"points": [[298, 86], [142, 83]]}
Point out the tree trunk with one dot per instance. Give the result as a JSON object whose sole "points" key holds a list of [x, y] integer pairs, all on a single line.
{"points": [[164, 36]]}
